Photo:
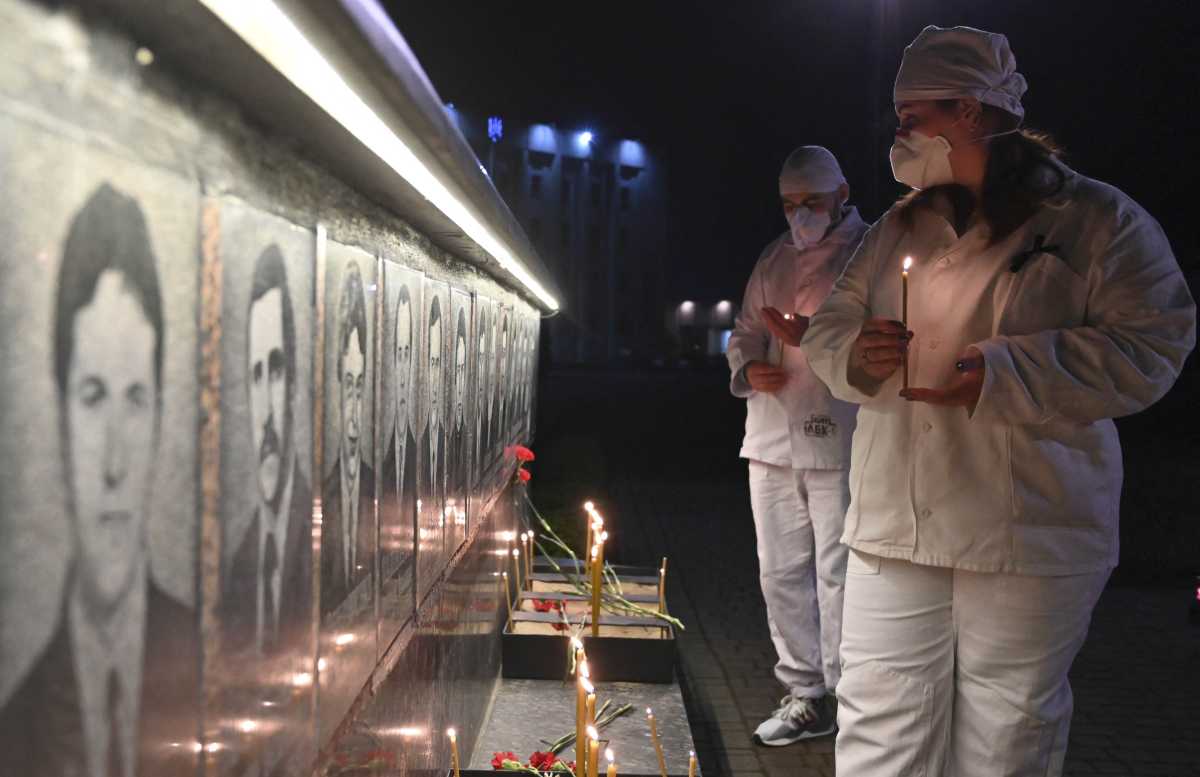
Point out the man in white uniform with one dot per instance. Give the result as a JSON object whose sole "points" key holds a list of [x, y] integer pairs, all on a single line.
{"points": [[798, 441]]}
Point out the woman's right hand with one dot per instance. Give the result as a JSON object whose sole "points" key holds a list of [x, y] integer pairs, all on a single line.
{"points": [[877, 352]]}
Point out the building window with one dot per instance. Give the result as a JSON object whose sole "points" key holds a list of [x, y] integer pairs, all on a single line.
{"points": [[626, 197], [535, 187]]}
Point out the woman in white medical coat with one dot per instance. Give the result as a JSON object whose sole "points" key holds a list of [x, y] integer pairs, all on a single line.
{"points": [[984, 499]]}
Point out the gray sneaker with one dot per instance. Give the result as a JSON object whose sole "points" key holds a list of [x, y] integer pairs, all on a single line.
{"points": [[796, 719]]}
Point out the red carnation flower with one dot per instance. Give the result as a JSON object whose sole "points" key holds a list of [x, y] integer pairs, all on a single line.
{"points": [[498, 759], [522, 453], [546, 605], [543, 762], [524, 475]]}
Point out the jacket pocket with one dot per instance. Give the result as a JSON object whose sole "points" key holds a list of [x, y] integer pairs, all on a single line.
{"points": [[1046, 294]]}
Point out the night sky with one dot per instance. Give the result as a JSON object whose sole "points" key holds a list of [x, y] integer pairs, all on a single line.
{"points": [[723, 90]]}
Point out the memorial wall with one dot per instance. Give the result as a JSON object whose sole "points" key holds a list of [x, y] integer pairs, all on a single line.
{"points": [[255, 490]]}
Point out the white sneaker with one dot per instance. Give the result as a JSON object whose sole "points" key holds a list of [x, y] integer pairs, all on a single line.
{"points": [[796, 719]]}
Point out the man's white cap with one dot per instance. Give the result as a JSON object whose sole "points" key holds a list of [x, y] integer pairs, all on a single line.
{"points": [[810, 170], [957, 62]]}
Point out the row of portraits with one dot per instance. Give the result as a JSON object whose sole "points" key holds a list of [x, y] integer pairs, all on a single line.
{"points": [[357, 436]]}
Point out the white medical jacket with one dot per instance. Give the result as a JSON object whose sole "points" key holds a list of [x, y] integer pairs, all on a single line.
{"points": [[1093, 324], [801, 426]]}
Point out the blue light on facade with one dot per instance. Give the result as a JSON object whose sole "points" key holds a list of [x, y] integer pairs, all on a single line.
{"points": [[495, 128], [585, 138]]}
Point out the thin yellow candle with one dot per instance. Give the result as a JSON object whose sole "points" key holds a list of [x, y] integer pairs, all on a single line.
{"points": [[593, 751], [612, 763], [507, 600], [662, 762], [583, 689], [453, 748], [662, 586], [529, 562], [590, 509], [596, 590], [591, 707], [691, 763], [904, 268]]}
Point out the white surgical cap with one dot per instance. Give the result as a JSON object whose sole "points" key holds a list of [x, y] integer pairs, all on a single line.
{"points": [[810, 170], [957, 62]]}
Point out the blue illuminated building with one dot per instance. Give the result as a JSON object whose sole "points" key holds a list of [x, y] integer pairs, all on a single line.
{"points": [[594, 206]]}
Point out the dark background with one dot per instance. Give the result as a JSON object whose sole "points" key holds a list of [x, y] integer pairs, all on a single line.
{"points": [[722, 91]]}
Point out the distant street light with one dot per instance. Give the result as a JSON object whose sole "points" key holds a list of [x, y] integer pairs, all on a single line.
{"points": [[585, 138]]}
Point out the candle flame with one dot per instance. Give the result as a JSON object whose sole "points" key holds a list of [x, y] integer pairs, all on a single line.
{"points": [[649, 712], [587, 685], [593, 734], [907, 263], [595, 551], [451, 733], [577, 643], [589, 506], [516, 553], [608, 753], [583, 669]]}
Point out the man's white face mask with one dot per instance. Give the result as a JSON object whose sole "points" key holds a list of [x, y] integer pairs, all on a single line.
{"points": [[808, 226], [920, 161]]}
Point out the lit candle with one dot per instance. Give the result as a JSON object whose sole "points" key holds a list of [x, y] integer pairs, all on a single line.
{"points": [[453, 748], [507, 600], [529, 562], [904, 268], [591, 706], [596, 590], [662, 762], [691, 763], [662, 586], [516, 557], [593, 751], [612, 763], [583, 689]]}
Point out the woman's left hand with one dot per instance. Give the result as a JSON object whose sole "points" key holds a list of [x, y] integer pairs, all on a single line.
{"points": [[964, 388], [788, 328]]}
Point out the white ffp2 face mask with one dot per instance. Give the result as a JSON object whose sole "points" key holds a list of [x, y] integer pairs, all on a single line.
{"points": [[807, 226], [920, 161]]}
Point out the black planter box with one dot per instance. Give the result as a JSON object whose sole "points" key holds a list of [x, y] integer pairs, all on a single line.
{"points": [[611, 658]]}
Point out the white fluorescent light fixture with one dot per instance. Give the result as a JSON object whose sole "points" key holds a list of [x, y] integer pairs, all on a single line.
{"points": [[265, 27]]}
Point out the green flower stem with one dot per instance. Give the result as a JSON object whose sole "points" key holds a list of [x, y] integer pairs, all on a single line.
{"points": [[612, 600]]}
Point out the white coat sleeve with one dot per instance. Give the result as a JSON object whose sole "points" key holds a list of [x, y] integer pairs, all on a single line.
{"points": [[1140, 325], [836, 324], [750, 338]]}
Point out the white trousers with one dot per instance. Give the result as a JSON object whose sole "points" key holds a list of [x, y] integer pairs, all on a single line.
{"points": [[798, 519], [949, 673]]}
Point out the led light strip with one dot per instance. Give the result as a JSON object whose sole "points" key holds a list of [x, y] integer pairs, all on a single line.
{"points": [[267, 29]]}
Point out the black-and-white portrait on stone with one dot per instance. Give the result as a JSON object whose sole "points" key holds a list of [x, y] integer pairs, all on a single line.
{"points": [[348, 493], [432, 464], [502, 404], [484, 337], [266, 597], [100, 368], [399, 402], [458, 427]]}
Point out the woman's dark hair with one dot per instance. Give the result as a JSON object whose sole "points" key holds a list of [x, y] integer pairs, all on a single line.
{"points": [[1020, 175]]}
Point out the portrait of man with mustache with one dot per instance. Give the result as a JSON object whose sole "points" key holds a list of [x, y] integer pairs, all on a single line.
{"points": [[267, 590]]}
